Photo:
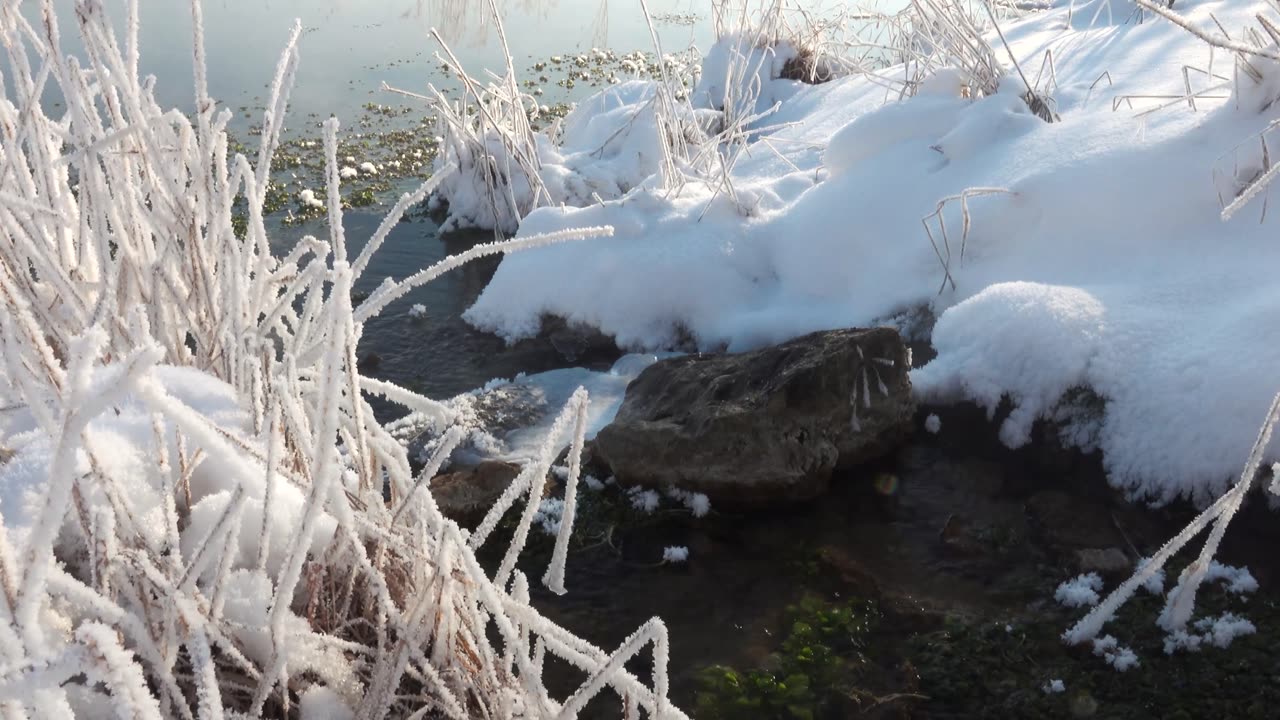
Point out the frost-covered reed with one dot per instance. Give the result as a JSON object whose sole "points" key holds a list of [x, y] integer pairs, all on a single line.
{"points": [[203, 518]]}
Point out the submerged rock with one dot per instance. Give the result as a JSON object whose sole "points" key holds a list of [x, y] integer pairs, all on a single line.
{"points": [[767, 425], [1107, 561], [577, 343], [466, 495]]}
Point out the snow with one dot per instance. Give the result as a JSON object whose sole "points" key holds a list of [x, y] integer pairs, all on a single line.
{"points": [[368, 168], [308, 198], [1218, 631], [1063, 319], [1117, 656], [609, 145], [675, 554], [321, 703], [1098, 260], [697, 503], [1079, 591], [933, 424], [1155, 583], [1053, 687], [1221, 631], [646, 501], [122, 442], [418, 311], [1237, 580], [347, 173], [734, 66], [549, 514]]}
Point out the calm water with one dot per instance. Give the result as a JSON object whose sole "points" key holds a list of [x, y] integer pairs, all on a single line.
{"points": [[350, 47]]}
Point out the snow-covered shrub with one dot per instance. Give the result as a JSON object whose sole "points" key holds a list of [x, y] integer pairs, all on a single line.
{"points": [[952, 37], [490, 157], [202, 516], [495, 169]]}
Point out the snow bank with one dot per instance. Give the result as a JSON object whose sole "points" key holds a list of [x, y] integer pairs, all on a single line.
{"points": [[1099, 258]]}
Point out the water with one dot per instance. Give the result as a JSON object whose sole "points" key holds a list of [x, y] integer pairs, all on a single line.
{"points": [[348, 49]]}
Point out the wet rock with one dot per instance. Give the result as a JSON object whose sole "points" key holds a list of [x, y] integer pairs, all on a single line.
{"points": [[958, 536], [1109, 561], [763, 426], [592, 463], [1083, 705], [1068, 522], [576, 342], [465, 495]]}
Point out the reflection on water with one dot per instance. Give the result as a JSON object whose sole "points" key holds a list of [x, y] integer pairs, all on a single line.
{"points": [[350, 47]]}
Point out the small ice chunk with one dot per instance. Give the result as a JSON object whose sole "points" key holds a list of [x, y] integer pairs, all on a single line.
{"points": [[1053, 687], [418, 311], [675, 554], [933, 424]]}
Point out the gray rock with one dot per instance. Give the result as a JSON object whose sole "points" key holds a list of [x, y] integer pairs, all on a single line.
{"points": [[1082, 705], [1111, 561], [466, 495], [767, 425]]}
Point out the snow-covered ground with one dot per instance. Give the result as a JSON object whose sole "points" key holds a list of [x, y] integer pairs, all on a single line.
{"points": [[1101, 261]]}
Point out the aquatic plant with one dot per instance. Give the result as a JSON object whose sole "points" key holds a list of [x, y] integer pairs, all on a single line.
{"points": [[815, 667]]}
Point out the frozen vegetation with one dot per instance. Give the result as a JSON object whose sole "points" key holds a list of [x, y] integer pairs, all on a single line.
{"points": [[202, 517]]}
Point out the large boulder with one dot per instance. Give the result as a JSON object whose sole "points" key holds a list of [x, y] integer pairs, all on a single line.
{"points": [[767, 425]]}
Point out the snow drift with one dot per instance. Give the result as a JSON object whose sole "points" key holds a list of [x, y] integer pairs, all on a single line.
{"points": [[1095, 257]]}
